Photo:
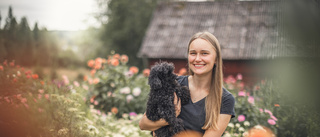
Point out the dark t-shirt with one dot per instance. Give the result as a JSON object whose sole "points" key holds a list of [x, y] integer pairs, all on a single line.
{"points": [[194, 115]]}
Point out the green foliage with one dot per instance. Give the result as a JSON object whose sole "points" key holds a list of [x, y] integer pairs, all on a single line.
{"points": [[33, 107], [116, 86], [125, 27], [253, 107]]}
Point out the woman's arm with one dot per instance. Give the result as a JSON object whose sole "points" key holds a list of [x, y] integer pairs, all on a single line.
{"points": [[146, 124], [223, 122]]}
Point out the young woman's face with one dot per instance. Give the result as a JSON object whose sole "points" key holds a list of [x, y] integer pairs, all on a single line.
{"points": [[201, 57]]}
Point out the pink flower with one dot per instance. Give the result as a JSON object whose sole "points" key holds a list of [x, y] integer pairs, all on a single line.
{"points": [[230, 79], [268, 111], [23, 100], [7, 99], [261, 110], [46, 96], [241, 118], [65, 80], [19, 96], [274, 118], [39, 96], [41, 91], [132, 114], [96, 102], [40, 110], [241, 93], [85, 87], [76, 83], [26, 105], [251, 99], [239, 76], [271, 122]]}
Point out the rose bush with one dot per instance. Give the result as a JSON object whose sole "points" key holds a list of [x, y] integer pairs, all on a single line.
{"points": [[113, 84], [251, 107]]}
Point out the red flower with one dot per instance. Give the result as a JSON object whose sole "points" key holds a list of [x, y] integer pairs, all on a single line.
{"points": [[5, 63], [114, 62], [12, 63], [46, 96], [1, 68], [96, 80], [276, 105], [146, 72], [116, 56], [134, 69], [35, 76], [91, 63], [114, 110], [15, 80], [85, 78], [124, 58]]}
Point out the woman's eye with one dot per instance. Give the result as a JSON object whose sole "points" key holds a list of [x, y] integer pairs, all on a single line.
{"points": [[204, 53], [192, 53]]}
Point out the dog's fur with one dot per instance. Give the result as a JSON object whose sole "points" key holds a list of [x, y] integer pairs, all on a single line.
{"points": [[163, 85]]}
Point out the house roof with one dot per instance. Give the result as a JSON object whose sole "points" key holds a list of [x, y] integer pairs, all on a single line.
{"points": [[245, 29]]}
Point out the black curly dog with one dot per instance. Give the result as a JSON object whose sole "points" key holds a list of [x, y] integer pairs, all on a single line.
{"points": [[163, 85]]}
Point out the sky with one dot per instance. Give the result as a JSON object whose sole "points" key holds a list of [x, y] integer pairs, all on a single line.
{"points": [[63, 15]]}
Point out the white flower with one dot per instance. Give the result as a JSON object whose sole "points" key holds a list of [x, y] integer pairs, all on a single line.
{"points": [[238, 125], [93, 129], [227, 135], [241, 129], [246, 123], [129, 98], [73, 91], [118, 135], [136, 91], [231, 125], [125, 90]]}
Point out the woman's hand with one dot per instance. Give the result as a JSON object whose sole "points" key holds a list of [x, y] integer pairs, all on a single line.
{"points": [[177, 104]]}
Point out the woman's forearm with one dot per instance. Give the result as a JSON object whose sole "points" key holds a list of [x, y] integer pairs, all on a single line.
{"points": [[146, 124]]}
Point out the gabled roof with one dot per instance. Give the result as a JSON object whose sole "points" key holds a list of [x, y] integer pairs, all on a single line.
{"points": [[245, 29]]}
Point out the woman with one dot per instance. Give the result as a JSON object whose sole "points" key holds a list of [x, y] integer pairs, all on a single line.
{"points": [[211, 106]]}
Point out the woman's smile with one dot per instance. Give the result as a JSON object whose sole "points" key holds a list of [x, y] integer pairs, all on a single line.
{"points": [[201, 57]]}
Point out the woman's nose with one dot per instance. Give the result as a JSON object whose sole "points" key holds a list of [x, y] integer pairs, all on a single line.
{"points": [[198, 58]]}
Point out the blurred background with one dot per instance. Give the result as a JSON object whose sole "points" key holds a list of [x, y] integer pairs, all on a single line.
{"points": [[263, 41]]}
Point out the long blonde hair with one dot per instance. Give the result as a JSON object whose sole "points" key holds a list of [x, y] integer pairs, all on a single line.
{"points": [[213, 100]]}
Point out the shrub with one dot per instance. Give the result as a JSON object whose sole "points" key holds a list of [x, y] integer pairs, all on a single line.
{"points": [[113, 84], [252, 107], [32, 107]]}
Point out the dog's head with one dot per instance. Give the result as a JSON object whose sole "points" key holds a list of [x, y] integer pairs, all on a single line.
{"points": [[161, 73]]}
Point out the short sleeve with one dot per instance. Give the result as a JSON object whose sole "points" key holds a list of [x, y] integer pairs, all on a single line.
{"points": [[182, 80], [227, 103]]}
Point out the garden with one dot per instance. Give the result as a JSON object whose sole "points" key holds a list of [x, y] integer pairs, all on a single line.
{"points": [[110, 102]]}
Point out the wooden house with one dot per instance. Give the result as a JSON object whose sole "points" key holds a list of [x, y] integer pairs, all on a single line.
{"points": [[247, 31]]}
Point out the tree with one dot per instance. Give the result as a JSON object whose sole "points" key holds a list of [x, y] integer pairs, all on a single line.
{"points": [[125, 28], [25, 43]]}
